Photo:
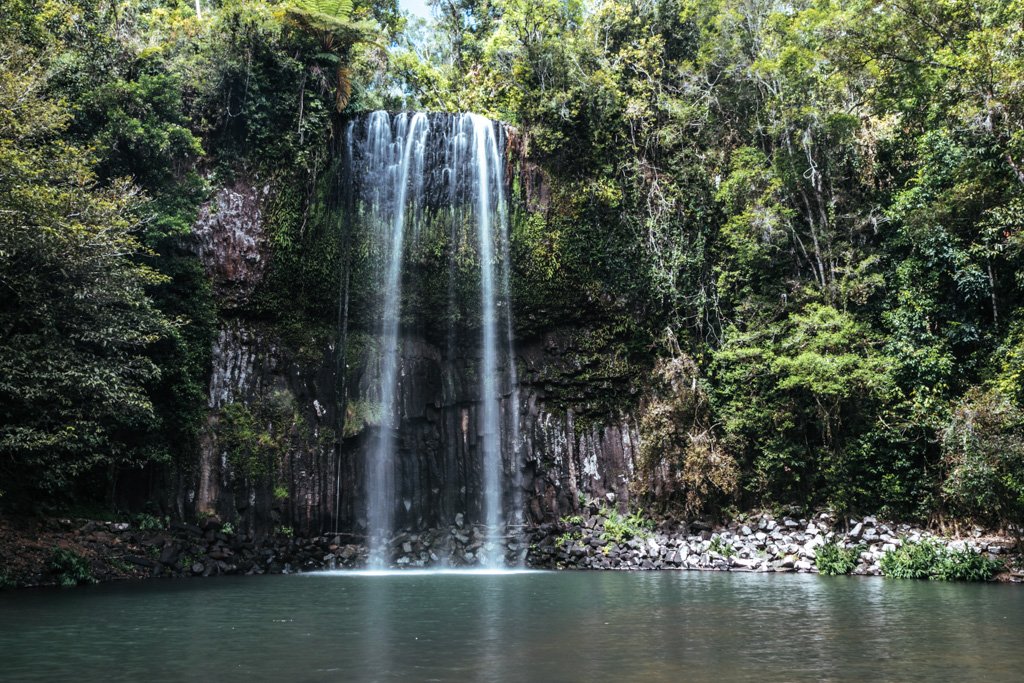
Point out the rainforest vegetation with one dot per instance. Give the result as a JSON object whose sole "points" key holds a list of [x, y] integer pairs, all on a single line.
{"points": [[794, 231]]}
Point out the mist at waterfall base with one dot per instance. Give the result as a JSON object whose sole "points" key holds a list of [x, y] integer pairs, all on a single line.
{"points": [[539, 626], [412, 171]]}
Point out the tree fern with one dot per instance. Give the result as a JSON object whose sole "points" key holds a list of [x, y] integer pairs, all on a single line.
{"points": [[330, 22]]}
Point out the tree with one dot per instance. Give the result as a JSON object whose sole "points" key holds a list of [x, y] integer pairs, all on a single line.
{"points": [[75, 320], [983, 450], [330, 22]]}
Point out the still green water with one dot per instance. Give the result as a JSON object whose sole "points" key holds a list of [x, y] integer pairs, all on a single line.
{"points": [[568, 626]]}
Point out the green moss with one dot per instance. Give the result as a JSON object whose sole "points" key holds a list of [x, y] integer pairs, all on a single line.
{"points": [[360, 414]]}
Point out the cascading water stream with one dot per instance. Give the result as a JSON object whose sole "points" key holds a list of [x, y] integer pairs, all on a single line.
{"points": [[390, 162], [414, 171], [487, 185]]}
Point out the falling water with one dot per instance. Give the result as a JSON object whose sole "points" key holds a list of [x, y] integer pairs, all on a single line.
{"points": [[451, 167], [487, 186], [391, 157]]}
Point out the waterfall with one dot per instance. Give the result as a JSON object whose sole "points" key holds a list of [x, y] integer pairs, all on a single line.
{"points": [[439, 179], [392, 155], [487, 187]]}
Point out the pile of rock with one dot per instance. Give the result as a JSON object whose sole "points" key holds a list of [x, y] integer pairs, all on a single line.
{"points": [[758, 543], [752, 543]]}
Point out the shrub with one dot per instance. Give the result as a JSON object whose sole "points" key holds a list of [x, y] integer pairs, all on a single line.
{"points": [[566, 539], [964, 565], [147, 522], [721, 547], [931, 560], [833, 559], [618, 528], [70, 567], [912, 560]]}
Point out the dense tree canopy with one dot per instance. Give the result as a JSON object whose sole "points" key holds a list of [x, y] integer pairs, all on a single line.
{"points": [[819, 201]]}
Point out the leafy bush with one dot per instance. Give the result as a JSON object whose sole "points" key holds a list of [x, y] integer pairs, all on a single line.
{"points": [[964, 565], [931, 560], [833, 559], [677, 433], [147, 522], [618, 528], [912, 560], [721, 547], [71, 568]]}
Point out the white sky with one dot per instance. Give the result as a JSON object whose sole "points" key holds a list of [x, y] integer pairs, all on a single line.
{"points": [[416, 8]]}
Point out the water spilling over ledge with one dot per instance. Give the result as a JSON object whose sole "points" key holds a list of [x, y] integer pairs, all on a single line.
{"points": [[318, 390], [438, 179]]}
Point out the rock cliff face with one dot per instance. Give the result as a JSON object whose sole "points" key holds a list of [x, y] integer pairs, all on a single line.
{"points": [[320, 423]]}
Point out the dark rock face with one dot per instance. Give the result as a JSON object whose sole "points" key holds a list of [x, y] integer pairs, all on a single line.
{"points": [[560, 457], [566, 448], [229, 239]]}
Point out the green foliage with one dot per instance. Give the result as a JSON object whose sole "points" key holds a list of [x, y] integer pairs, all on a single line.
{"points": [[721, 547], [802, 396], [360, 414], [70, 568], [931, 560], [76, 320], [567, 538], [146, 522], [619, 528], [676, 431], [572, 520], [965, 565], [832, 559], [983, 449], [912, 560], [255, 435], [330, 22]]}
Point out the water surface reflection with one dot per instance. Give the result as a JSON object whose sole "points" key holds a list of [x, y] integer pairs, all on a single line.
{"points": [[540, 626]]}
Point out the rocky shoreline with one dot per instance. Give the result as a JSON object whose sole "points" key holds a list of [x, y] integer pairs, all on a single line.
{"points": [[601, 539], [754, 542]]}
